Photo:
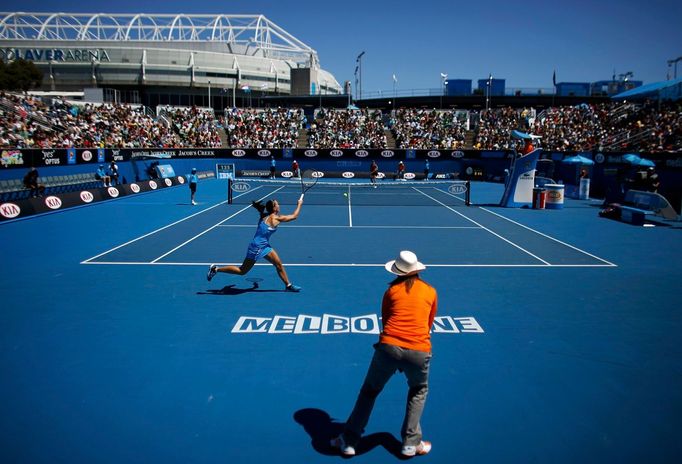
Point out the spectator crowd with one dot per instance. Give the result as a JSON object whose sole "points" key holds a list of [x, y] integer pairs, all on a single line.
{"points": [[427, 129], [27, 122], [347, 129], [269, 128], [604, 127]]}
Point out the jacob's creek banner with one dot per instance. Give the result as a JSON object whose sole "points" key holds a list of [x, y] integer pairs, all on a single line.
{"points": [[22, 158], [22, 208]]}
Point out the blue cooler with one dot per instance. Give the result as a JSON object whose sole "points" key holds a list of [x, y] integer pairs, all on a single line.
{"points": [[555, 196]]}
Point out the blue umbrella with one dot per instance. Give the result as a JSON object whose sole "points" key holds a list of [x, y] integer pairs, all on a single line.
{"points": [[636, 160], [520, 135], [578, 159]]}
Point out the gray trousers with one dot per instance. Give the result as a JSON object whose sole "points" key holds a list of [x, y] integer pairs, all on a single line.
{"points": [[386, 360]]}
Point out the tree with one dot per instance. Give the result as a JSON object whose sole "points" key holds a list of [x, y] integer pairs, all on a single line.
{"points": [[4, 78], [20, 75]]}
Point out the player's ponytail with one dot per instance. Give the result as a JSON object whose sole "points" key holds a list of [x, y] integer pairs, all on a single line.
{"points": [[260, 207]]}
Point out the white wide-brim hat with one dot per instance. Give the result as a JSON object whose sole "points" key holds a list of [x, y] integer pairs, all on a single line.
{"points": [[405, 264]]}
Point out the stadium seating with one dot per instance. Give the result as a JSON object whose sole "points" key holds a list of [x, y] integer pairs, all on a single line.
{"points": [[13, 189], [26, 122]]}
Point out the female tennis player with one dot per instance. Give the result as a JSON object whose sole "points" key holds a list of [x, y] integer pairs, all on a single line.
{"points": [[373, 173], [259, 247]]}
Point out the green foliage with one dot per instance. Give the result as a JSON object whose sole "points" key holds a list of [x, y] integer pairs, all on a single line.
{"points": [[20, 75]]}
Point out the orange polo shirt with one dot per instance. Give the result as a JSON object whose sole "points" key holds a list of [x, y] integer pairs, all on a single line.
{"points": [[407, 317]]}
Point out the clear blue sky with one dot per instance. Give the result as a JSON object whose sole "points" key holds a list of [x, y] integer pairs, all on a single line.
{"points": [[522, 42]]}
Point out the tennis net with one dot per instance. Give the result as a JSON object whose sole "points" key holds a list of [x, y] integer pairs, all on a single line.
{"points": [[386, 193]]}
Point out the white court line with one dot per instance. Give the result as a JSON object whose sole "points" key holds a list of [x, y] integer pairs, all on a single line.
{"points": [[153, 232], [549, 237], [350, 211], [485, 228], [207, 230], [87, 261], [131, 263], [286, 226], [610, 264]]}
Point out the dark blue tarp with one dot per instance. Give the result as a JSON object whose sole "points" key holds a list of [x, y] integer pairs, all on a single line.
{"points": [[671, 90]]}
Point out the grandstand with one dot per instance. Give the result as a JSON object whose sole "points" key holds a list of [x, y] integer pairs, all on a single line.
{"points": [[160, 59]]}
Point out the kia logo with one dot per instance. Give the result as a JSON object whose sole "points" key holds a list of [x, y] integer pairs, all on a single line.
{"points": [[238, 153], [264, 153], [86, 155], [181, 179], [336, 153], [168, 182], [387, 154], [361, 153], [241, 187], [310, 153], [9, 210], [318, 174], [287, 174], [433, 154], [381, 175], [87, 197], [53, 202], [152, 184], [135, 188], [457, 189], [113, 192], [457, 154], [348, 175], [409, 175]]}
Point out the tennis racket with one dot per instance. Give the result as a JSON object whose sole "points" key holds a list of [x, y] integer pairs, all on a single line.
{"points": [[308, 181]]}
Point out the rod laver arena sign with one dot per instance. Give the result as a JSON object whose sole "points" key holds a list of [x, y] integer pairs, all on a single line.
{"points": [[54, 54]]}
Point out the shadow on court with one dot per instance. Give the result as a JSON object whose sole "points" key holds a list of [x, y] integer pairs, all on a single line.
{"points": [[322, 428], [232, 290]]}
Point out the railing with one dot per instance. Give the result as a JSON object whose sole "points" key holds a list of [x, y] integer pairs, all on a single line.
{"points": [[149, 112], [618, 140], [39, 120], [438, 92], [621, 111]]}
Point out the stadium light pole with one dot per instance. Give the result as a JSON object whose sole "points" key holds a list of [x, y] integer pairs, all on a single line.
{"points": [[443, 76], [209, 95], [395, 80], [359, 61], [674, 62]]}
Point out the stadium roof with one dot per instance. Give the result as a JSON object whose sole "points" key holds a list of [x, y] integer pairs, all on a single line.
{"points": [[671, 90], [255, 33]]}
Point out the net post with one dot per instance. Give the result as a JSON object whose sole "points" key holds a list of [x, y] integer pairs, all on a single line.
{"points": [[467, 196], [229, 190]]}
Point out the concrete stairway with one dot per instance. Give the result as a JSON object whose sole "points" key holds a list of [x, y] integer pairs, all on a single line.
{"points": [[302, 140], [390, 139], [469, 137], [223, 138]]}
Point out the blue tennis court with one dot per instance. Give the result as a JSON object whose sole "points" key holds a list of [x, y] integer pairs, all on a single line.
{"points": [[557, 338]]}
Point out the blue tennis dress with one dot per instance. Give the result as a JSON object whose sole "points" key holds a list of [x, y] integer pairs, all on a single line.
{"points": [[260, 245]]}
